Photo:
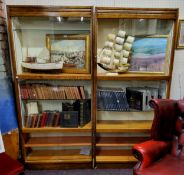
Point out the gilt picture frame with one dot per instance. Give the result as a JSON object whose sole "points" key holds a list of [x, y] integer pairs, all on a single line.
{"points": [[73, 50], [150, 54], [180, 38]]}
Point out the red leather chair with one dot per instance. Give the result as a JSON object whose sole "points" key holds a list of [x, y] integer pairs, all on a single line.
{"points": [[163, 154], [9, 166]]}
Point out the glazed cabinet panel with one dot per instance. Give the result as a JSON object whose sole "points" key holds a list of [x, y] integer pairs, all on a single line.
{"points": [[134, 56], [56, 120], [53, 43], [51, 60]]}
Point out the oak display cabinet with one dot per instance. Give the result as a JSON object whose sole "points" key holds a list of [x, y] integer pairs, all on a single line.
{"points": [[51, 60], [106, 62], [144, 41]]}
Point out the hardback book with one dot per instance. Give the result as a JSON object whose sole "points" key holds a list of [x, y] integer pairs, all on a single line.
{"points": [[44, 119], [136, 98], [84, 111], [48, 122], [67, 106], [82, 92], [57, 119], [39, 118], [28, 121], [32, 108], [23, 92], [33, 120], [69, 119]]}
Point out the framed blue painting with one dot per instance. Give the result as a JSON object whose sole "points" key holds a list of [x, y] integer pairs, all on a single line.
{"points": [[149, 54]]}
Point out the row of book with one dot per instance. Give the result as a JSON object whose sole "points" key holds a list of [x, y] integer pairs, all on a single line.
{"points": [[112, 99], [134, 98], [44, 91], [79, 116]]}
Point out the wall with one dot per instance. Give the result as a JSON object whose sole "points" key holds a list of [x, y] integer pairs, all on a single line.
{"points": [[7, 103], [177, 86]]}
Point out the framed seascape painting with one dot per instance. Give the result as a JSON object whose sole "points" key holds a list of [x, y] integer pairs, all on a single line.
{"points": [[180, 42], [73, 50], [149, 54]]}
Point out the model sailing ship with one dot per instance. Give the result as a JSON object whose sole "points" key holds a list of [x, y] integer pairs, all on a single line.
{"points": [[115, 53], [42, 62]]}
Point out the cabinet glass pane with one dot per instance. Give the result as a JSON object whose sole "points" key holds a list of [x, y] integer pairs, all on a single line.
{"points": [[145, 44], [55, 103], [44, 40], [127, 100]]}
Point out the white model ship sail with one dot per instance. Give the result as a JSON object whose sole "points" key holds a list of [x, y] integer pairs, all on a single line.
{"points": [[115, 53]]}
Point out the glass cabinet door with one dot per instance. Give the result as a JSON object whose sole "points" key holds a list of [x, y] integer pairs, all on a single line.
{"points": [[52, 44], [134, 57], [51, 61], [144, 44]]}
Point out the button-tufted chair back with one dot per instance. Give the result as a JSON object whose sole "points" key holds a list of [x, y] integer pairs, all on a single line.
{"points": [[165, 116], [178, 139]]}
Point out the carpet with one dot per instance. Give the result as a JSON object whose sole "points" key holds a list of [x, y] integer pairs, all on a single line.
{"points": [[81, 172]]}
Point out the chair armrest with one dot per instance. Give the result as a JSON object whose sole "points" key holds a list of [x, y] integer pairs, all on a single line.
{"points": [[9, 166], [149, 151]]}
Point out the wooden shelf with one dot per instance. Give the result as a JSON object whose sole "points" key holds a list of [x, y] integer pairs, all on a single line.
{"points": [[134, 76], [133, 126], [57, 156], [65, 11], [127, 13], [114, 156], [58, 141], [53, 99], [62, 76], [86, 128], [119, 141]]}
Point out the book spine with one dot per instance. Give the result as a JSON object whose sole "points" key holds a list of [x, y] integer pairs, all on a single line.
{"points": [[81, 114]]}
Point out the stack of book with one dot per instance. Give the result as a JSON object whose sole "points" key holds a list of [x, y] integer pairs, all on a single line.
{"points": [[111, 99], [83, 108], [44, 91], [138, 97], [69, 119], [84, 111]]}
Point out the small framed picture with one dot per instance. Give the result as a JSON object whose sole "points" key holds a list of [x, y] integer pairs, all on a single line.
{"points": [[73, 50], [180, 42]]}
